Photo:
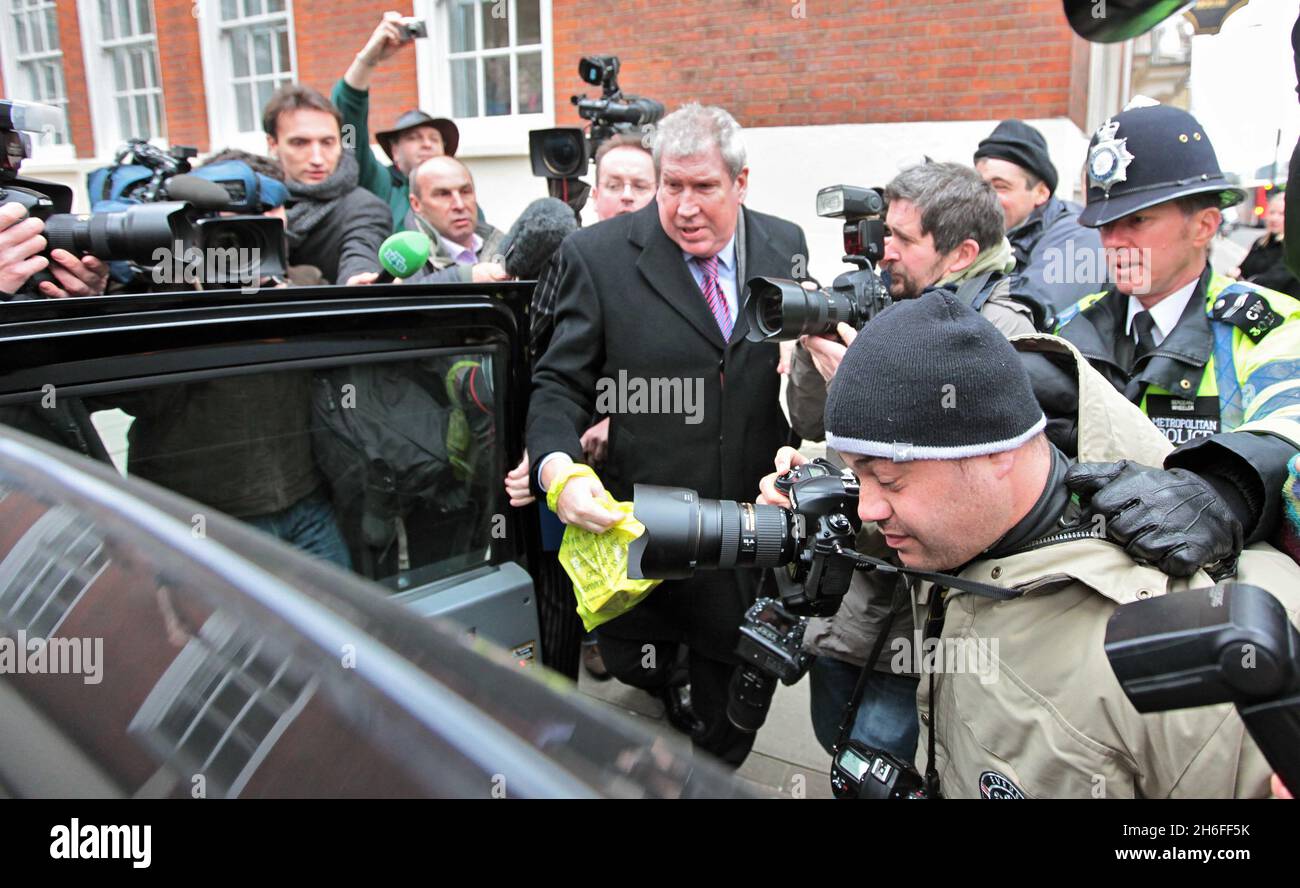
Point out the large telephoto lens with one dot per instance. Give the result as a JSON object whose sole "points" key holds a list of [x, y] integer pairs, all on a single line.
{"points": [[780, 310], [684, 532], [134, 234]]}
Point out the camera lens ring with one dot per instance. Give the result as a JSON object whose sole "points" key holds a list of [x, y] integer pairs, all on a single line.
{"points": [[729, 544]]}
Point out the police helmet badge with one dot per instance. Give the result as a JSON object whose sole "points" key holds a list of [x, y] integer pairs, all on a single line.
{"points": [[1109, 159]]}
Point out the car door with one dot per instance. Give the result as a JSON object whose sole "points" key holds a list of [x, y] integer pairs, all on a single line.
{"points": [[138, 659], [371, 427]]}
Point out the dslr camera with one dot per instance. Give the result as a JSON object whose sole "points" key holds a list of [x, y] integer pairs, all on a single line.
{"points": [[802, 544], [562, 154], [859, 772], [781, 310]]}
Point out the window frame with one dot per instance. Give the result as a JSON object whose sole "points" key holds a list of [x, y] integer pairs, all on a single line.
{"points": [[42, 152], [219, 74], [505, 135], [102, 85]]}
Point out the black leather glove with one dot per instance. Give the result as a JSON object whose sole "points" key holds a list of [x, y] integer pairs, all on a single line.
{"points": [[1170, 518]]}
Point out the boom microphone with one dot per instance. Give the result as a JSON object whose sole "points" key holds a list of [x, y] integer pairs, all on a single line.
{"points": [[536, 235], [402, 255], [199, 193]]}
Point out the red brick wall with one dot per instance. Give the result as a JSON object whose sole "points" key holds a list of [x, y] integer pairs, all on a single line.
{"points": [[74, 78], [181, 68], [330, 34], [847, 61]]}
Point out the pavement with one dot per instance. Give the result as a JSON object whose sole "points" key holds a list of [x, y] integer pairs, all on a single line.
{"points": [[786, 762]]}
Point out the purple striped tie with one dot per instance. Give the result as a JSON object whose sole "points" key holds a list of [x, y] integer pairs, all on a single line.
{"points": [[713, 294]]}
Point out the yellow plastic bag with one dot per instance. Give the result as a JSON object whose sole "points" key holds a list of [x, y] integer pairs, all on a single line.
{"points": [[597, 563]]}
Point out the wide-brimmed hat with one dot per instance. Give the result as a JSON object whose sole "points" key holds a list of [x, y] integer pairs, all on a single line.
{"points": [[413, 118]]}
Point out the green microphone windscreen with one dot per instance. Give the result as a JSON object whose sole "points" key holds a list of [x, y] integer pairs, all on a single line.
{"points": [[405, 253]]}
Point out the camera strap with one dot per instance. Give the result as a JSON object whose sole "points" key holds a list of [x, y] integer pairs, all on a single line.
{"points": [[971, 291], [851, 708], [933, 629], [987, 590]]}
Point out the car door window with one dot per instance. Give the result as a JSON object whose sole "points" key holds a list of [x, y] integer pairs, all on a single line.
{"points": [[388, 467]]}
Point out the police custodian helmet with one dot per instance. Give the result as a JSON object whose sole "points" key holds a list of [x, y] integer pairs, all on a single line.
{"points": [[1148, 155]]}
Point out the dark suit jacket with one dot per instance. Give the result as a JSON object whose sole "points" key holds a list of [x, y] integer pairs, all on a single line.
{"points": [[627, 303]]}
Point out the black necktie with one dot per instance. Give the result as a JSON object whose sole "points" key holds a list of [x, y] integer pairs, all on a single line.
{"points": [[1143, 324], [1128, 353]]}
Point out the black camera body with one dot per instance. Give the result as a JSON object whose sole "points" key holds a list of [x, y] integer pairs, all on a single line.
{"points": [[859, 772], [771, 639], [780, 309], [770, 649], [824, 501]]}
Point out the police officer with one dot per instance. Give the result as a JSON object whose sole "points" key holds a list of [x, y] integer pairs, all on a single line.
{"points": [[1214, 363], [1016, 687]]}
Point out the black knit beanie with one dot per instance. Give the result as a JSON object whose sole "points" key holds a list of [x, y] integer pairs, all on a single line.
{"points": [[929, 378], [1020, 143]]}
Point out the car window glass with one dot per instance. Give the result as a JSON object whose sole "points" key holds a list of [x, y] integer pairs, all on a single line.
{"points": [[390, 468]]}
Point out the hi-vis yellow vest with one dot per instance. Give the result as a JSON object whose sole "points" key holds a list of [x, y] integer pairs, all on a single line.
{"points": [[1252, 372]]}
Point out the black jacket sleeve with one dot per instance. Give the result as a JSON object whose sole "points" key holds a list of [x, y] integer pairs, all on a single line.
{"points": [[368, 222], [1248, 469], [564, 380]]}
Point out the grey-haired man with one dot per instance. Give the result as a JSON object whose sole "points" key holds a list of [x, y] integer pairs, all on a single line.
{"points": [[655, 294]]}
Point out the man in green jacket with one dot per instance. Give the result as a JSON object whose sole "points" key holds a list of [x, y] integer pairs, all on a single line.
{"points": [[415, 136]]}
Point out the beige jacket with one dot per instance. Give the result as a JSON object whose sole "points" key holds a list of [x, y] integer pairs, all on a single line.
{"points": [[1043, 715], [1046, 717], [1109, 428]]}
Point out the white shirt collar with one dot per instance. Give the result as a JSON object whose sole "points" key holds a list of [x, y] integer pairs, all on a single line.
{"points": [[1165, 313]]}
